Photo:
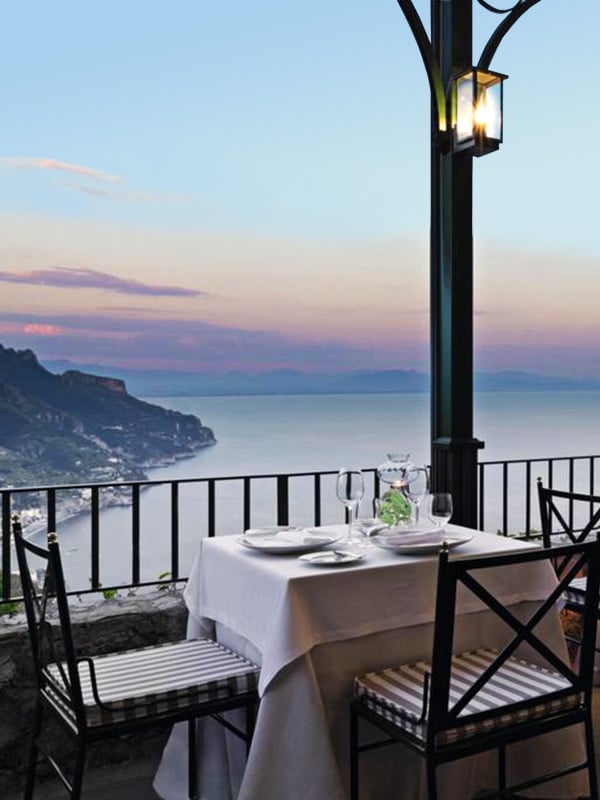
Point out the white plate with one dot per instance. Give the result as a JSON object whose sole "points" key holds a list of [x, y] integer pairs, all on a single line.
{"points": [[290, 541], [331, 558], [415, 543]]}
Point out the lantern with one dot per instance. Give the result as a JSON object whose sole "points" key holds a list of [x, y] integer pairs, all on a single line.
{"points": [[477, 111]]}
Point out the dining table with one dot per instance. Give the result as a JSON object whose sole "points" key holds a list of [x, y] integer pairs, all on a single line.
{"points": [[313, 627]]}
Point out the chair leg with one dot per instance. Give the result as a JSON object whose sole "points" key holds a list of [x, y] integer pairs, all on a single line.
{"points": [[354, 754], [33, 750], [431, 780], [502, 768], [250, 722], [192, 759], [79, 770], [589, 743]]}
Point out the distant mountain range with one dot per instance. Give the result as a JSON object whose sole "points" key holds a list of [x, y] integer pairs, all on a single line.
{"points": [[156, 383], [80, 428]]}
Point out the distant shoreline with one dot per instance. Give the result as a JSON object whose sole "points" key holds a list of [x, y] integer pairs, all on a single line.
{"points": [[507, 390], [180, 383]]}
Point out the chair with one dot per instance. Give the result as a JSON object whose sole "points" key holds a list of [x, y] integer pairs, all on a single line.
{"points": [[572, 517], [100, 697], [457, 705]]}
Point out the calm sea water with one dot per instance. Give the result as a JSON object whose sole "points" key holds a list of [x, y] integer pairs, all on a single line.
{"points": [[258, 435]]}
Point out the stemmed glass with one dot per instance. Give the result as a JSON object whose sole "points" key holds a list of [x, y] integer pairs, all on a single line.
{"points": [[417, 488], [349, 489], [441, 509]]}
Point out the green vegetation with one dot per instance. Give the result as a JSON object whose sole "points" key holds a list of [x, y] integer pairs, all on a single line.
{"points": [[394, 508]]}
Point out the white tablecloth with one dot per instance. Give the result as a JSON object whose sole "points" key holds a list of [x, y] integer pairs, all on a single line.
{"points": [[313, 629]]}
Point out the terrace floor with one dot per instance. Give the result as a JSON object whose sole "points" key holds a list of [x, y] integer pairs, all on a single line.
{"points": [[133, 780]]}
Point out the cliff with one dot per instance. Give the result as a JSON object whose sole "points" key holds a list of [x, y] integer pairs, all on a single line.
{"points": [[78, 428]]}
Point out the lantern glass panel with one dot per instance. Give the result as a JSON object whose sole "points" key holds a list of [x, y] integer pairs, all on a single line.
{"points": [[464, 107], [493, 117]]}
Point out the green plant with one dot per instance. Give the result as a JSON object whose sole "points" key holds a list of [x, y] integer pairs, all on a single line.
{"points": [[394, 508], [166, 587], [9, 608], [107, 594]]}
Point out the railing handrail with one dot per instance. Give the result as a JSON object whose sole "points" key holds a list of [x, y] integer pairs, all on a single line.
{"points": [[162, 481]]}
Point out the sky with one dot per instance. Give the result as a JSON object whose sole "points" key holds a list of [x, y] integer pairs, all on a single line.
{"points": [[214, 186]]}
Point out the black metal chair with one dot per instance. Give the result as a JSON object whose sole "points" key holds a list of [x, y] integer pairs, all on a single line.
{"points": [[104, 696], [572, 517], [457, 705]]}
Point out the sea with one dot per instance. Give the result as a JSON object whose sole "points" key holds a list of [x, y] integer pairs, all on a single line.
{"points": [[262, 435]]}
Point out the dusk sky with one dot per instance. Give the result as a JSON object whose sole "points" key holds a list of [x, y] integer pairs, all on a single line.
{"points": [[230, 185]]}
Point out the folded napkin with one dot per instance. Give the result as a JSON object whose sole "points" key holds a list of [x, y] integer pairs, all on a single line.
{"points": [[291, 537]]}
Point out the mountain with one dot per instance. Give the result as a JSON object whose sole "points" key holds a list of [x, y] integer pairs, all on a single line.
{"points": [[78, 428], [166, 383]]}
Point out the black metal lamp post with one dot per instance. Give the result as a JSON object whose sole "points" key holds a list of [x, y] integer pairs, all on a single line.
{"points": [[466, 121]]}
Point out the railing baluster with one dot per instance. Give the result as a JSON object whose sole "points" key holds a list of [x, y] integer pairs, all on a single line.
{"points": [[174, 530], [246, 503], [51, 509], [528, 499], [95, 553], [211, 506], [591, 483], [283, 500], [317, 496], [505, 499], [571, 484], [481, 496], [6, 566], [135, 533]]}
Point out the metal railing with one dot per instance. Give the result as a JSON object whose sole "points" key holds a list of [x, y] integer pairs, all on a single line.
{"points": [[510, 487], [14, 500], [507, 504]]}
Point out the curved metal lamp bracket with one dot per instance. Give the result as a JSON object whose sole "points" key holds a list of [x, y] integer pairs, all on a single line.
{"points": [[431, 65], [512, 15]]}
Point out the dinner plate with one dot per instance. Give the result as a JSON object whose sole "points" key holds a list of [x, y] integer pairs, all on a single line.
{"points": [[331, 558], [416, 543], [287, 541]]}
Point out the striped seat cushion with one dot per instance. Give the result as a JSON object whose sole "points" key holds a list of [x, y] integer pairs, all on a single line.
{"points": [[397, 694], [575, 593], [156, 680]]}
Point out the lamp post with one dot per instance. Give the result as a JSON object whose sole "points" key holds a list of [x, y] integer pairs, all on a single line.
{"points": [[466, 121]]}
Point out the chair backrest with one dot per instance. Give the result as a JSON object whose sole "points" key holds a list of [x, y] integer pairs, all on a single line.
{"points": [[448, 710], [50, 633], [570, 515]]}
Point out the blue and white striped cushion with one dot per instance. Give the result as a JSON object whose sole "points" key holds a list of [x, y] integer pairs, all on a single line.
{"points": [[575, 593], [155, 680], [397, 694]]}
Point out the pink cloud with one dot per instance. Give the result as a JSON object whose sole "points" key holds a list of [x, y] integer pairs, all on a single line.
{"points": [[80, 278], [37, 329], [129, 197], [61, 166]]}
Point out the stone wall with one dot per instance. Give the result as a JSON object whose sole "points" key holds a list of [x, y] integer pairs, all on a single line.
{"points": [[108, 626]]}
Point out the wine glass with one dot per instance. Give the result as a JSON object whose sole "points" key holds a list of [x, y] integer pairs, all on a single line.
{"points": [[349, 489], [417, 487], [441, 509]]}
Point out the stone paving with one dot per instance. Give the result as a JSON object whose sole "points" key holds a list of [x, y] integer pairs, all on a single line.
{"points": [[133, 781]]}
